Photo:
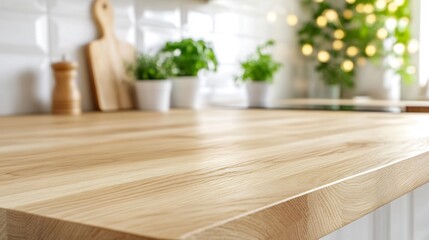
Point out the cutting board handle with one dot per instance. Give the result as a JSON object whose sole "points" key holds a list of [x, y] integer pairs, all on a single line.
{"points": [[103, 14]]}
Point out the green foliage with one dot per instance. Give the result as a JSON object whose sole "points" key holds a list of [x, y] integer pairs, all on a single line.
{"points": [[190, 56], [361, 21], [148, 67], [260, 66]]}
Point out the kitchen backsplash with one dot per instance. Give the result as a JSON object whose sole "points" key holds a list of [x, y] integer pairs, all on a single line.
{"points": [[33, 33], [36, 32]]}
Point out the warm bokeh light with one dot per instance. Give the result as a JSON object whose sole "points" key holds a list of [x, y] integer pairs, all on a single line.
{"points": [[324, 56], [322, 21], [380, 4], [307, 49], [382, 33], [339, 34], [371, 19], [361, 32], [352, 51], [399, 2], [337, 44], [331, 15], [360, 8], [392, 7], [370, 50], [347, 66], [292, 20], [368, 8], [348, 14]]}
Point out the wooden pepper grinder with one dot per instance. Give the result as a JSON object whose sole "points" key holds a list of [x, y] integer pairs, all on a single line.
{"points": [[66, 97]]}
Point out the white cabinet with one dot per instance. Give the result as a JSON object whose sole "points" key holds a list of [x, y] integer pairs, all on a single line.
{"points": [[406, 218]]}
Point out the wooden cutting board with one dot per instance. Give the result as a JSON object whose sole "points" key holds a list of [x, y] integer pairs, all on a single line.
{"points": [[107, 58]]}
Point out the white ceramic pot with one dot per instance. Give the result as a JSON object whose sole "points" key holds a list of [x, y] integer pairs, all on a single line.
{"points": [[378, 83], [258, 94], [153, 95], [187, 92], [319, 89]]}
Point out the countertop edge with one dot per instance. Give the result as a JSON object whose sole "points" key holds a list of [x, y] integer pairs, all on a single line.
{"points": [[324, 210], [16, 224]]}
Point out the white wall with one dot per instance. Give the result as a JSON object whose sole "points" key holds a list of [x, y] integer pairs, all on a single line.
{"points": [[35, 32]]}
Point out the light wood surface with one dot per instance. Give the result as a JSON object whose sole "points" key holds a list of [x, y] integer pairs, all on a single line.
{"points": [[108, 58], [214, 174]]}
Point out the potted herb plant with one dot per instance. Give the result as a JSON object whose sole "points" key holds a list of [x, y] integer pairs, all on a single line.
{"points": [[152, 85], [258, 72], [189, 57]]}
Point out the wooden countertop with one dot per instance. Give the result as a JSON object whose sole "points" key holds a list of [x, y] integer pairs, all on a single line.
{"points": [[215, 174]]}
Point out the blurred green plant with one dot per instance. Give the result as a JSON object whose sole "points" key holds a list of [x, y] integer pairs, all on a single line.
{"points": [[260, 66], [190, 57], [151, 67], [342, 38]]}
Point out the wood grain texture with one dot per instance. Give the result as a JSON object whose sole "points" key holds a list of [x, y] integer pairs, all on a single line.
{"points": [[32, 227], [107, 58], [3, 225], [214, 174]]}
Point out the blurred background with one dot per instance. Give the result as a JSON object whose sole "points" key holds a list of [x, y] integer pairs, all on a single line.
{"points": [[330, 49], [36, 32]]}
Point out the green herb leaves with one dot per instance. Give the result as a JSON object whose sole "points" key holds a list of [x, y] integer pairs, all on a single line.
{"points": [[190, 56], [341, 37], [183, 58], [260, 66], [148, 67]]}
